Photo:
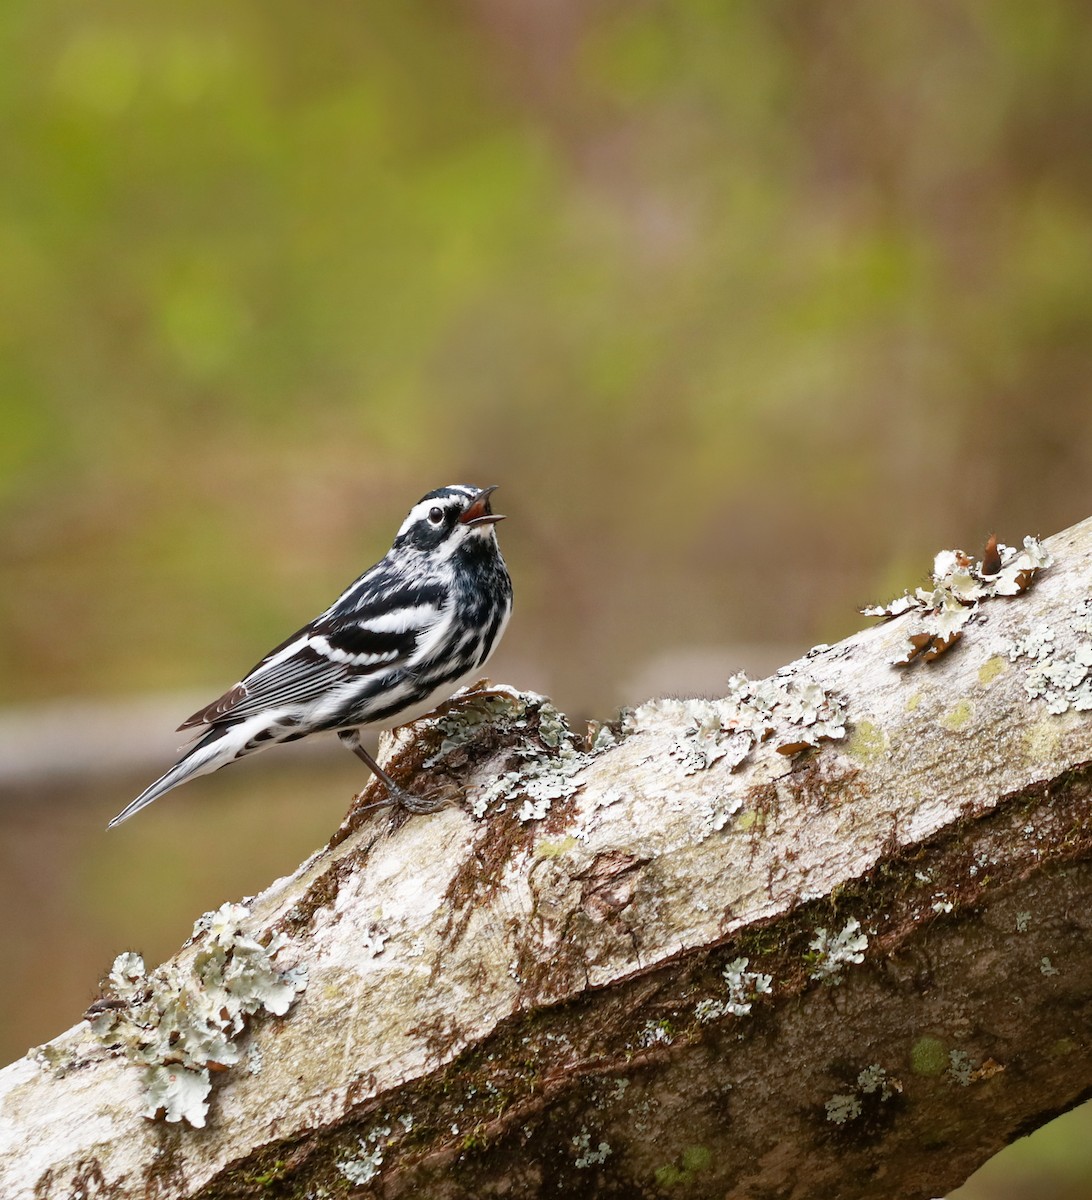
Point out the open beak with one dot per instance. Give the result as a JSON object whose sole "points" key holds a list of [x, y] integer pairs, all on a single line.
{"points": [[477, 513]]}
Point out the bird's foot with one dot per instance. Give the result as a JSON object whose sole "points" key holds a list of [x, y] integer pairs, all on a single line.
{"points": [[401, 800], [399, 797]]}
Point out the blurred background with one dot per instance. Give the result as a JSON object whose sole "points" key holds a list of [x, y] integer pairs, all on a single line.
{"points": [[749, 308]]}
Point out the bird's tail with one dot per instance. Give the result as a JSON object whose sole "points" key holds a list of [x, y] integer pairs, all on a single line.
{"points": [[212, 752]]}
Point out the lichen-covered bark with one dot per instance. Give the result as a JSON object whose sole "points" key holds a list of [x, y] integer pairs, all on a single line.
{"points": [[669, 966]]}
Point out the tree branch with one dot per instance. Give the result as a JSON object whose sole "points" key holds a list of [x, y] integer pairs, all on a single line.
{"points": [[686, 958]]}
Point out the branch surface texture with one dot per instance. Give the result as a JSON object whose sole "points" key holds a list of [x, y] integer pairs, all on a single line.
{"points": [[825, 936]]}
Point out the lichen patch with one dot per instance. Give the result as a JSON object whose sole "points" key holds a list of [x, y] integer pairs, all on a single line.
{"points": [[867, 742], [544, 754], [179, 1022], [830, 953], [744, 987], [872, 1083], [1061, 677], [791, 712], [958, 715], [990, 670], [960, 586]]}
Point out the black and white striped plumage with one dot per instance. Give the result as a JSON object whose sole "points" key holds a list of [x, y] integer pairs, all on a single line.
{"points": [[399, 640]]}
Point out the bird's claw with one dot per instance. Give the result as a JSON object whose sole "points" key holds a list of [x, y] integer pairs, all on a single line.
{"points": [[399, 798]]}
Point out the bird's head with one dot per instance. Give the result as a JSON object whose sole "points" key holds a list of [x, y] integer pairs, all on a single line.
{"points": [[449, 519]]}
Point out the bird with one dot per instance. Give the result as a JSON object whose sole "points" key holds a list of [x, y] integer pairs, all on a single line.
{"points": [[399, 640]]}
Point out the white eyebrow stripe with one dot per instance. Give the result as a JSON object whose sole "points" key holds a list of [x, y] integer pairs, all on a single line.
{"points": [[460, 494], [415, 514]]}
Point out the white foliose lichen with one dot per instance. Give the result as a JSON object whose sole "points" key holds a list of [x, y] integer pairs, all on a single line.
{"points": [[874, 1078], [464, 715], [375, 940], [960, 1068], [710, 1010], [831, 952], [872, 1081], [548, 763], [586, 1156], [177, 1022], [534, 810], [1061, 678], [744, 987], [843, 1107], [601, 737], [654, 1033], [960, 586], [537, 782], [364, 1167], [794, 712]]}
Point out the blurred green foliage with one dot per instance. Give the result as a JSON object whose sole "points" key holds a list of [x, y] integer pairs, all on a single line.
{"points": [[749, 307], [726, 296]]}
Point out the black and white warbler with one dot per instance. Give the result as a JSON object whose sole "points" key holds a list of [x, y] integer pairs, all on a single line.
{"points": [[402, 638]]}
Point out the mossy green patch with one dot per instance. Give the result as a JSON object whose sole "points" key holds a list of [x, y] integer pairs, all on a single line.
{"points": [[913, 702], [273, 1175], [695, 1159], [747, 820], [928, 1056], [867, 742], [669, 1176], [958, 716], [990, 670]]}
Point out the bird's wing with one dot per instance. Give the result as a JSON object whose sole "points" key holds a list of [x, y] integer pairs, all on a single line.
{"points": [[330, 651]]}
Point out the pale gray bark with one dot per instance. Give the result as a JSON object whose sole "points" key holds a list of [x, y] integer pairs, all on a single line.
{"points": [[531, 1007]]}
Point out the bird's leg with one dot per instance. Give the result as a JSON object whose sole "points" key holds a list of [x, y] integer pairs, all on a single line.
{"points": [[397, 796]]}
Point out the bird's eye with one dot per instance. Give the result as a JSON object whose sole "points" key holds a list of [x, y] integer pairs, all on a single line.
{"points": [[436, 516]]}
